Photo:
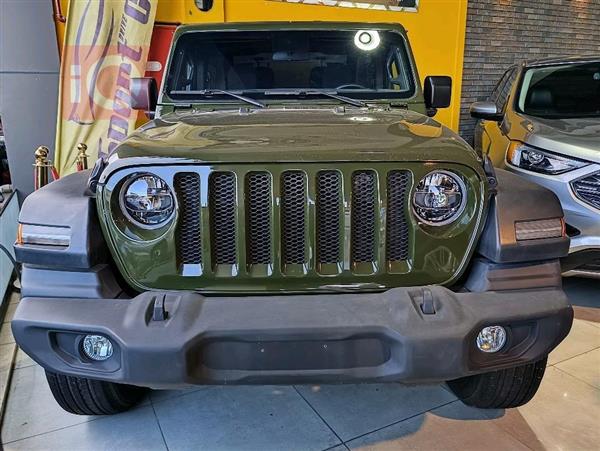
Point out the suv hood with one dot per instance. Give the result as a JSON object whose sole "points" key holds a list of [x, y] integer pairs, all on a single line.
{"points": [[292, 135], [579, 137]]}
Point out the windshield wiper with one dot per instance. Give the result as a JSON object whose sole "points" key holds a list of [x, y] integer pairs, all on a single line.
{"points": [[211, 92], [331, 94]]}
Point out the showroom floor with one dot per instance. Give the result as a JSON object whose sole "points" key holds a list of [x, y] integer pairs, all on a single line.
{"points": [[565, 414]]}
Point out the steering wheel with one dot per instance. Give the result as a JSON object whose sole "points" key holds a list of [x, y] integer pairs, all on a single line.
{"points": [[351, 86]]}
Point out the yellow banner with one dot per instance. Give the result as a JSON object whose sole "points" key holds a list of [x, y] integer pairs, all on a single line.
{"points": [[106, 44]]}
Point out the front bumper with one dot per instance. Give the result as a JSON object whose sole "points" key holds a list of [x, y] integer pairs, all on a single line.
{"points": [[292, 339]]}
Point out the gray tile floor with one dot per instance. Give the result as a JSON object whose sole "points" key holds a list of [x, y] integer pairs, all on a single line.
{"points": [[565, 415]]}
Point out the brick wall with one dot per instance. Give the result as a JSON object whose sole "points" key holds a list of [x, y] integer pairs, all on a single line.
{"points": [[502, 32]]}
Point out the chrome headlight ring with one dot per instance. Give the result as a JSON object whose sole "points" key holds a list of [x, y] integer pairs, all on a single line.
{"points": [[439, 198], [147, 201]]}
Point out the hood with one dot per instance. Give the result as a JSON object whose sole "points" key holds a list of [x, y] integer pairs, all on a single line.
{"points": [[292, 135], [578, 137]]}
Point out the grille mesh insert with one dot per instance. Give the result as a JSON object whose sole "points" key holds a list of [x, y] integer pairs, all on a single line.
{"points": [[363, 216], [293, 200], [588, 189], [397, 227], [295, 217], [329, 197], [189, 237], [222, 204], [258, 217]]}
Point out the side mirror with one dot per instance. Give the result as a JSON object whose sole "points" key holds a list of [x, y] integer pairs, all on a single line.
{"points": [[144, 94], [488, 111], [437, 92], [204, 5]]}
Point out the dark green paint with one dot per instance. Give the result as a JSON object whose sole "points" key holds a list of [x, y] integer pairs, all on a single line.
{"points": [[148, 258], [293, 134], [307, 135]]}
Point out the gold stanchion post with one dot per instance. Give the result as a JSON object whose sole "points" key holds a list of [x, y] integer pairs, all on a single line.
{"points": [[82, 157], [41, 166]]}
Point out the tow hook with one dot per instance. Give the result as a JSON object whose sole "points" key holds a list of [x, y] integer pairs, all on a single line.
{"points": [[490, 172], [427, 306], [159, 313]]}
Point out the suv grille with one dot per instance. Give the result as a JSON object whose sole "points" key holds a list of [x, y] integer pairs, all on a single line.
{"points": [[187, 186], [398, 184], [293, 227], [222, 217], [293, 217], [588, 189], [329, 211], [329, 220], [258, 214], [363, 216]]}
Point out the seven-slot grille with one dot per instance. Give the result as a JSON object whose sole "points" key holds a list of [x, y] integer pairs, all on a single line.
{"points": [[264, 206], [588, 189]]}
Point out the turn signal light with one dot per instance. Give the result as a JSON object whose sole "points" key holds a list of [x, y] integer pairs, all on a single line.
{"points": [[537, 230], [43, 235]]}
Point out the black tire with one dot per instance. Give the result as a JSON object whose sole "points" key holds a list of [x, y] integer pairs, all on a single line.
{"points": [[83, 396], [501, 389]]}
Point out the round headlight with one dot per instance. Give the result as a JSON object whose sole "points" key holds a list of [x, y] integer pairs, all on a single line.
{"points": [[147, 200], [440, 198]]}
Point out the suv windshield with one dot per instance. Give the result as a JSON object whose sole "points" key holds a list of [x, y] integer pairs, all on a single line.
{"points": [[560, 92], [363, 64]]}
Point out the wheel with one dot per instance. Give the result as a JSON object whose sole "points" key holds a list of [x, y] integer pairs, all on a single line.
{"points": [[83, 396], [501, 389]]}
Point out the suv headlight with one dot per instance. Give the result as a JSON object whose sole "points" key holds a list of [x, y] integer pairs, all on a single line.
{"points": [[532, 159], [440, 197], [147, 200]]}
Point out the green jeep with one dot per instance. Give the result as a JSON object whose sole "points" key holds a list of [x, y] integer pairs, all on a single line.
{"points": [[291, 215]]}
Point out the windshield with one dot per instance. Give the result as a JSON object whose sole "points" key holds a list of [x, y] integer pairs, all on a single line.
{"points": [[365, 64], [560, 92]]}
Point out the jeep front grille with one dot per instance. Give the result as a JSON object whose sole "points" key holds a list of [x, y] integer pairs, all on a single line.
{"points": [[223, 204], [293, 217], [398, 185], [189, 249], [258, 214], [329, 212], [292, 227], [363, 201], [588, 189], [329, 220]]}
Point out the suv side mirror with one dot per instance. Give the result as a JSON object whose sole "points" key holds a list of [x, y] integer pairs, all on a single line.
{"points": [[437, 92], [144, 94], [488, 111]]}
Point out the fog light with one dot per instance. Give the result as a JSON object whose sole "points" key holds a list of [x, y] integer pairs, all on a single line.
{"points": [[491, 339], [97, 347]]}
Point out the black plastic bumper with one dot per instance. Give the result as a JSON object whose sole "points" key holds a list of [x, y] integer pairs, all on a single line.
{"points": [[292, 339]]}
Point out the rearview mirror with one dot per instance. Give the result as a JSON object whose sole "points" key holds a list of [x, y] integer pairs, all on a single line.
{"points": [[143, 94], [437, 92], [487, 111]]}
